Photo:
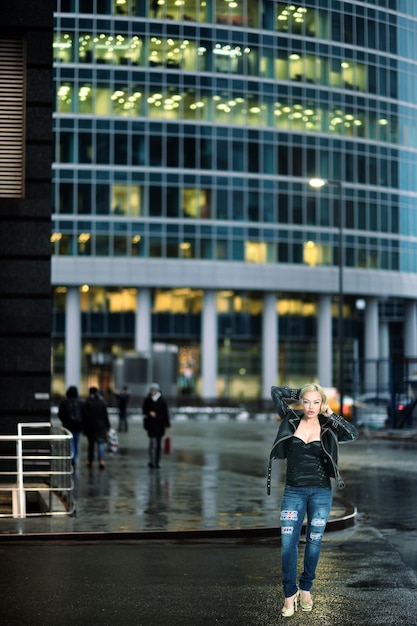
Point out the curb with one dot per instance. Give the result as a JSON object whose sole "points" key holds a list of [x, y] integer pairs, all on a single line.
{"points": [[347, 520]]}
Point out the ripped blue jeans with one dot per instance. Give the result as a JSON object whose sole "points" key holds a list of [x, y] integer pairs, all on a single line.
{"points": [[296, 502]]}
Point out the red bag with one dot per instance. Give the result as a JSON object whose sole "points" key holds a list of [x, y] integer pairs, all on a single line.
{"points": [[167, 445]]}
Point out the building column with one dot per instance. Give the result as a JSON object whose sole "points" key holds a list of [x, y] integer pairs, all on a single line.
{"points": [[410, 335], [410, 328], [72, 338], [384, 340], [209, 347], [269, 344], [384, 354], [325, 347], [143, 321], [371, 345]]}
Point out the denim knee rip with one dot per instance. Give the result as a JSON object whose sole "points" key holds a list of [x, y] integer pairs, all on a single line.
{"points": [[289, 516], [315, 537], [318, 523]]}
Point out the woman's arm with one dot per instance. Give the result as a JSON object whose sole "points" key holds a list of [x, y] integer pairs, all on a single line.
{"points": [[282, 397], [344, 430]]}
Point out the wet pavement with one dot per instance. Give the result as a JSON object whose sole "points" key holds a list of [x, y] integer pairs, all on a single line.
{"points": [[361, 581], [196, 542], [381, 475], [214, 479]]}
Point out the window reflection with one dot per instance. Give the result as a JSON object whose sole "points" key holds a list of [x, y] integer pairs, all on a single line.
{"points": [[178, 301], [195, 203], [296, 19], [316, 253], [291, 19], [125, 200], [255, 252], [186, 10], [226, 107], [239, 302], [100, 299], [63, 47], [222, 57], [102, 48], [109, 242]]}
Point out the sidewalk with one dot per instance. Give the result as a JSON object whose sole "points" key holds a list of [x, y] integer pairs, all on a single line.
{"points": [[193, 544], [214, 481]]}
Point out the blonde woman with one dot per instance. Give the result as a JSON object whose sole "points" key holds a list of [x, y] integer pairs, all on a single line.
{"points": [[309, 440]]}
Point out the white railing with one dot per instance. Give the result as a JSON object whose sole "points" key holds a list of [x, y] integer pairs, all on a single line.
{"points": [[38, 464]]}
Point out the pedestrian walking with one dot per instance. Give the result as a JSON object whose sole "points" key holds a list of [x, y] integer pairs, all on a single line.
{"points": [[69, 412], [156, 421], [96, 425], [122, 398], [308, 439]]}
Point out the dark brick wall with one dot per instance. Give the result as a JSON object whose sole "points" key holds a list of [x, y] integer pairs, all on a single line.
{"points": [[25, 287]]}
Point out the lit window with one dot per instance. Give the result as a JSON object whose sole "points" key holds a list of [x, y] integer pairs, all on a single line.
{"points": [[255, 252], [125, 200]]}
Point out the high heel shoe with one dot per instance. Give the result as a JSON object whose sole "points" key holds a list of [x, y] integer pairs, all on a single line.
{"points": [[287, 612], [306, 606]]}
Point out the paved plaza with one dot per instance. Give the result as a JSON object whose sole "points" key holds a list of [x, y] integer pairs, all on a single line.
{"points": [[195, 543]]}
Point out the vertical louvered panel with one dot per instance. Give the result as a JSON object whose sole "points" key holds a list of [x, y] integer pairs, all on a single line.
{"points": [[12, 117]]}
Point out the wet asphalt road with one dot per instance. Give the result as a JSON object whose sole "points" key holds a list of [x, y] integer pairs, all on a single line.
{"points": [[382, 476], [361, 582]]}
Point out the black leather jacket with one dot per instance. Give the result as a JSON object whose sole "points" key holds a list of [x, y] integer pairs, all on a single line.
{"points": [[334, 429]]}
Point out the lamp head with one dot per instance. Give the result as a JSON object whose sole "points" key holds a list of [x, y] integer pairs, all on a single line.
{"points": [[317, 183]]}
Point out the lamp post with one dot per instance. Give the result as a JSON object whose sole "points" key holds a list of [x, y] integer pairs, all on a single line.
{"points": [[317, 183]]}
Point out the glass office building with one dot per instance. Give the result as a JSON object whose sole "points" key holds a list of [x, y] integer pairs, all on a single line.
{"points": [[186, 135]]}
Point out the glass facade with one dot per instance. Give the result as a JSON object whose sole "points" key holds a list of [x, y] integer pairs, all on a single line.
{"points": [[188, 130]]}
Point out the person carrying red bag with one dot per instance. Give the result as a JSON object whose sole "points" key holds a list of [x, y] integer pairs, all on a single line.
{"points": [[156, 422]]}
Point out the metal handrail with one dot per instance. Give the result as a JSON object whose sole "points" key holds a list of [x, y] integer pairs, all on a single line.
{"points": [[55, 478]]}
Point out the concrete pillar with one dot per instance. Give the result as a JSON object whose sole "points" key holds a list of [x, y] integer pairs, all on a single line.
{"points": [[410, 335], [143, 321], [371, 345], [384, 340], [72, 338], [384, 354], [325, 348], [269, 344], [209, 347], [410, 329]]}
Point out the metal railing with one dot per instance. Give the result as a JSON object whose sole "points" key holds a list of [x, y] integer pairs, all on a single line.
{"points": [[37, 470]]}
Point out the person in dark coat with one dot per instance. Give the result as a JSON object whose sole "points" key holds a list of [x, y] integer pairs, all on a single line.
{"points": [[156, 421], [69, 412], [122, 398], [96, 425]]}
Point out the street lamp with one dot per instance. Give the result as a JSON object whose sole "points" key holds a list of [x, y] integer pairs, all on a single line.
{"points": [[318, 183]]}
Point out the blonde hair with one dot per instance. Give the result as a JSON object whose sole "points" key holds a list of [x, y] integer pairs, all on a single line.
{"points": [[315, 387]]}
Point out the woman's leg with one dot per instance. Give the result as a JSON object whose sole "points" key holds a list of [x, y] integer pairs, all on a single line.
{"points": [[101, 449], [73, 453], [158, 451], [152, 451], [91, 449], [74, 446], [318, 510], [293, 508]]}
